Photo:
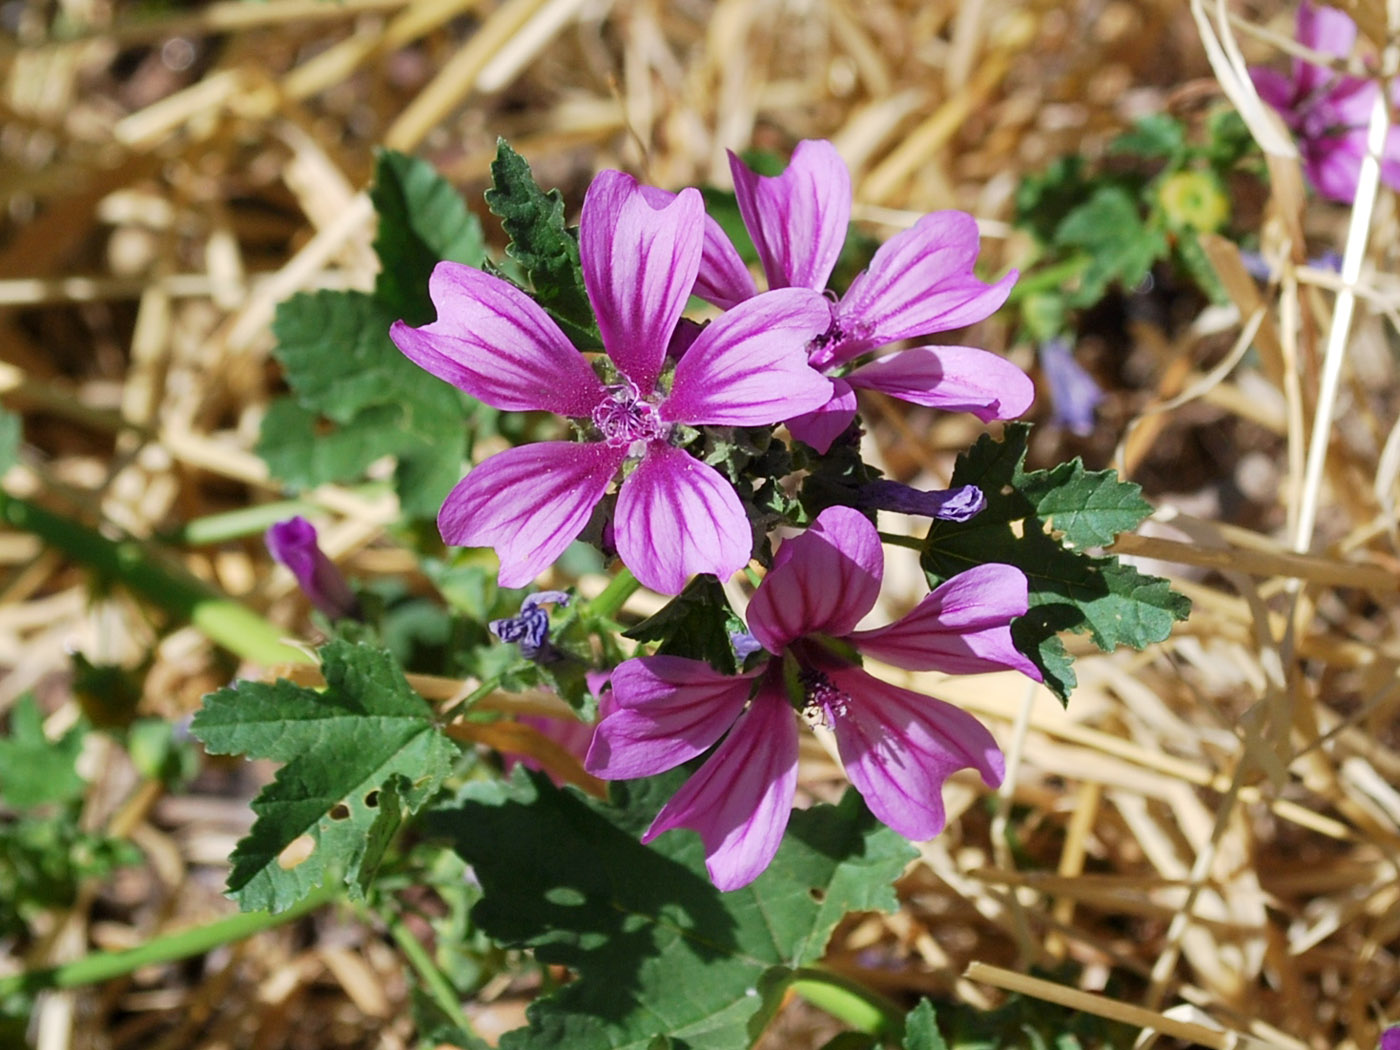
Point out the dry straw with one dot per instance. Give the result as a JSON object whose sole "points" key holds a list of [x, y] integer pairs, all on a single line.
{"points": [[1211, 830]]}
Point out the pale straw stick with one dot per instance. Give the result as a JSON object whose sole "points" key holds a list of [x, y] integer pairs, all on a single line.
{"points": [[1357, 235]]}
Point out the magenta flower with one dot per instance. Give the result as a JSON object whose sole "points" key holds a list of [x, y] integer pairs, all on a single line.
{"points": [[1328, 112], [1390, 1039], [898, 746], [675, 516], [293, 543], [918, 283]]}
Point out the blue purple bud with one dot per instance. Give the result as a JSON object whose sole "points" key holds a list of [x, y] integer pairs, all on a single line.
{"points": [[293, 543], [529, 629]]}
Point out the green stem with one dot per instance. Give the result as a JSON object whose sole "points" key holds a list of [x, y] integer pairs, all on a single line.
{"points": [[1054, 276], [141, 569], [614, 595], [850, 1001], [434, 981], [235, 524], [895, 540], [104, 966]]}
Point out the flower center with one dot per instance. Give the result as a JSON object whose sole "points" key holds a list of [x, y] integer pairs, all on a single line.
{"points": [[624, 417], [824, 701]]}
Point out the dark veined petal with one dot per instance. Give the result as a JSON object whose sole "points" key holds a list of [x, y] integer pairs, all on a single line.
{"points": [[740, 800], [822, 581], [677, 517], [493, 341], [665, 711], [899, 747], [798, 220], [953, 378], [528, 503], [749, 367], [640, 251], [962, 627], [919, 282], [723, 279]]}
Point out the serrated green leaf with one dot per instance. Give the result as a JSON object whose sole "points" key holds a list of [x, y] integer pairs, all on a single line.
{"points": [[339, 360], [1121, 246], [695, 623], [1036, 521], [357, 754], [658, 950], [542, 244], [422, 221], [921, 1029], [35, 770], [1090, 508]]}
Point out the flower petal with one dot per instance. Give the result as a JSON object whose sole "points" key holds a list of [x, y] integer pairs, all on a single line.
{"points": [[899, 747], [740, 800], [962, 627], [677, 517], [823, 426], [953, 378], [528, 503], [723, 279], [1326, 30], [493, 341], [640, 252], [823, 580], [749, 367], [665, 711], [1275, 89], [919, 282], [798, 220]]}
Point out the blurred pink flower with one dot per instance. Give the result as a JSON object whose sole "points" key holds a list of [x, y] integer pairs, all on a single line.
{"points": [[1327, 111]]}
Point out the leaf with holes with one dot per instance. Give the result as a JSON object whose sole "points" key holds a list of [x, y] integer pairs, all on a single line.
{"points": [[360, 755], [659, 952]]}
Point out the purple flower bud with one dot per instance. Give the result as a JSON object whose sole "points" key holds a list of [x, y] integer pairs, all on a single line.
{"points": [[530, 629], [745, 644], [293, 543], [959, 504], [1073, 392]]}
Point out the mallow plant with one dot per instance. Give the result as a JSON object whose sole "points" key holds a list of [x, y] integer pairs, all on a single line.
{"points": [[628, 400]]}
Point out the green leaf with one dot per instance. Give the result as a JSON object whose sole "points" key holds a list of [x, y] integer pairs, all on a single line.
{"points": [[11, 436], [1121, 246], [358, 755], [422, 221], [657, 949], [339, 360], [921, 1029], [1154, 136], [542, 244], [357, 399], [35, 770], [1040, 521], [695, 623]]}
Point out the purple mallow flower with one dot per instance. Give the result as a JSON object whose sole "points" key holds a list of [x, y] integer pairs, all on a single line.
{"points": [[530, 628], [1390, 1039], [898, 746], [293, 543], [640, 250], [1328, 112], [918, 283], [1073, 393]]}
